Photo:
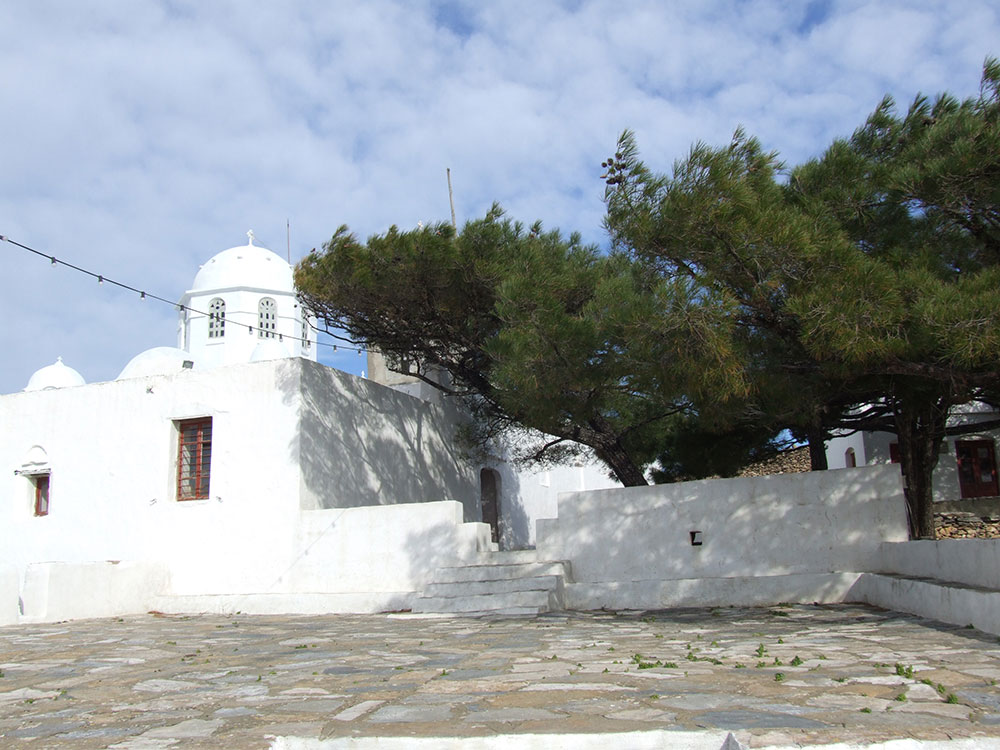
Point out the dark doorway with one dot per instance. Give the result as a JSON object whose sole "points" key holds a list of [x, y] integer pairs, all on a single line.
{"points": [[489, 501], [977, 468]]}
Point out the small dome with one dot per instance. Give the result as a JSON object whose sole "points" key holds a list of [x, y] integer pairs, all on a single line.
{"points": [[269, 349], [160, 360], [57, 375], [245, 266]]}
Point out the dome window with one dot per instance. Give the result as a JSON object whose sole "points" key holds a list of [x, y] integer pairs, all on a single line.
{"points": [[216, 318], [267, 319]]}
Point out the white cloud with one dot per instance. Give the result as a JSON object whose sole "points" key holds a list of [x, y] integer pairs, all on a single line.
{"points": [[139, 139]]}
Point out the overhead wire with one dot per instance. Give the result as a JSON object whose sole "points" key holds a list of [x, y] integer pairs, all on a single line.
{"points": [[102, 279]]}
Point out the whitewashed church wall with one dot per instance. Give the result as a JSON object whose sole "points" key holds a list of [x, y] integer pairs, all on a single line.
{"points": [[816, 524], [281, 429], [365, 444], [112, 449]]}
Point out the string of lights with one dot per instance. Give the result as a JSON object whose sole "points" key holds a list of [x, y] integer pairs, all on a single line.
{"points": [[103, 279]]}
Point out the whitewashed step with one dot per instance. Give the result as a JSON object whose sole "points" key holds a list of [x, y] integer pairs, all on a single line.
{"points": [[507, 557], [500, 571], [502, 586], [543, 600], [508, 612]]}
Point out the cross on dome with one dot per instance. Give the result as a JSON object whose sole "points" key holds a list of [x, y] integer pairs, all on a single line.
{"points": [[250, 237]]}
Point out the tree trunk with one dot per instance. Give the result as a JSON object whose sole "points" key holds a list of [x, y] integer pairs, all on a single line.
{"points": [[920, 425], [607, 445], [817, 451], [622, 465]]}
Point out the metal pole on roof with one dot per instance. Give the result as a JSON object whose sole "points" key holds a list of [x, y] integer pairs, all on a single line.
{"points": [[451, 199]]}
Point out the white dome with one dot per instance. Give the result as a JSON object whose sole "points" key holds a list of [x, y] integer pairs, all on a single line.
{"points": [[57, 375], [160, 360], [269, 349], [245, 266]]}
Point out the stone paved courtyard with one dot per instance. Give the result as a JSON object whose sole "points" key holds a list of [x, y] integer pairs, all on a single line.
{"points": [[777, 675]]}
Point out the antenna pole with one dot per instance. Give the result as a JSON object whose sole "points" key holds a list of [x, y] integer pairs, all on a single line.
{"points": [[288, 240], [451, 199]]}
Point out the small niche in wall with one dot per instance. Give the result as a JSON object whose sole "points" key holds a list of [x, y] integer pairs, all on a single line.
{"points": [[696, 540]]}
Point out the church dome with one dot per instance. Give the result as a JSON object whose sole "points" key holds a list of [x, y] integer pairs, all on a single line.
{"points": [[247, 266], [160, 360], [56, 375]]}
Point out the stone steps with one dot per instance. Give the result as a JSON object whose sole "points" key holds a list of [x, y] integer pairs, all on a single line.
{"points": [[947, 601], [498, 583]]}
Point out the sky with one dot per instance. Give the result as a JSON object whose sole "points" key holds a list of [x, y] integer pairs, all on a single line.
{"points": [[138, 139]]}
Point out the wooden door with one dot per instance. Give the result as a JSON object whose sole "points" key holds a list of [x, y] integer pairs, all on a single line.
{"points": [[489, 501]]}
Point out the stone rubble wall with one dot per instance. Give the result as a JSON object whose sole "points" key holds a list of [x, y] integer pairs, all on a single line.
{"points": [[789, 462], [967, 526]]}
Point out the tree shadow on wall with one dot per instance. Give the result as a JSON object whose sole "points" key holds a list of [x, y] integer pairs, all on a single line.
{"points": [[360, 443], [768, 526]]}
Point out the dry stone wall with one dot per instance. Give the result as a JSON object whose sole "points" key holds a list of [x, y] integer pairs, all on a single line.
{"points": [[967, 526]]}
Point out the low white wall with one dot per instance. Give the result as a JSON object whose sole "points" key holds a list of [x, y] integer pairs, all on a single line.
{"points": [[379, 549], [964, 585], [812, 526], [973, 562], [66, 591], [708, 592], [9, 593], [345, 560], [957, 604]]}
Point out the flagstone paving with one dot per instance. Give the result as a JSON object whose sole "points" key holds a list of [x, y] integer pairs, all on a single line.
{"points": [[777, 675]]}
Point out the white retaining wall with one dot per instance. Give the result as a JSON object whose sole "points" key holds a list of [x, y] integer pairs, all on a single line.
{"points": [[792, 537], [964, 588], [66, 591], [973, 562], [958, 605], [367, 559]]}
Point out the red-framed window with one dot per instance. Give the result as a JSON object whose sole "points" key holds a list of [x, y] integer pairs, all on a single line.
{"points": [[194, 458], [977, 468], [41, 482]]}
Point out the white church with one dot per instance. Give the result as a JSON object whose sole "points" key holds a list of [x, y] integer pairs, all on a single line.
{"points": [[234, 465]]}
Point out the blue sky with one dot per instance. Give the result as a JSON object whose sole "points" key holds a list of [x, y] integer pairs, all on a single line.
{"points": [[140, 138]]}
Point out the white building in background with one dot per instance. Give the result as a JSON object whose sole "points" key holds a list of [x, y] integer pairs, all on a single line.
{"points": [[967, 465], [234, 472]]}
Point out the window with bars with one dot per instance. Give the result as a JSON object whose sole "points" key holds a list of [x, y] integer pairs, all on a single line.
{"points": [[194, 458], [41, 482], [267, 319], [305, 333], [216, 318]]}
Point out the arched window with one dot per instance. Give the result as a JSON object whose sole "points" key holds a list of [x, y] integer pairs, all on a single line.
{"points": [[267, 319], [305, 332], [216, 319], [850, 461]]}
